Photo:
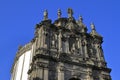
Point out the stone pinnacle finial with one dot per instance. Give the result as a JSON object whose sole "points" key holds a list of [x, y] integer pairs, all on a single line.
{"points": [[93, 32], [70, 12], [59, 13], [80, 18], [45, 15], [92, 26]]}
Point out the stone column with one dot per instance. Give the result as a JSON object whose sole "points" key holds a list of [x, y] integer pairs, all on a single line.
{"points": [[40, 73], [59, 41], [62, 75], [35, 47], [39, 39], [78, 43], [45, 73], [81, 47], [42, 38], [101, 53], [85, 49], [97, 53], [67, 45], [59, 72]]}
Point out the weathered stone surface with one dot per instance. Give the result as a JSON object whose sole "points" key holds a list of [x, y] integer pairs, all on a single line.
{"points": [[63, 50]]}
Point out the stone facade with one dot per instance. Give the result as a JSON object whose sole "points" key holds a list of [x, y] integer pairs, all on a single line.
{"points": [[63, 50]]}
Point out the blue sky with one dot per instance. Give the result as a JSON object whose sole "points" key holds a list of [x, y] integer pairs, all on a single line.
{"points": [[19, 17]]}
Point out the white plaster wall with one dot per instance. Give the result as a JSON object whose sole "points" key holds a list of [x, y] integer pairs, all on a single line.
{"points": [[26, 66], [23, 65], [19, 67]]}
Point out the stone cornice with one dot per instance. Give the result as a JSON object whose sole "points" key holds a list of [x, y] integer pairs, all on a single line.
{"points": [[83, 64], [24, 49]]}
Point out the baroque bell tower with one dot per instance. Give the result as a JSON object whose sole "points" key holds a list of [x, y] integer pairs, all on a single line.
{"points": [[64, 50]]}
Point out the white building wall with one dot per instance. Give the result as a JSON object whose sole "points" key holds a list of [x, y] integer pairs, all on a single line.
{"points": [[26, 65], [23, 65], [19, 67]]}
